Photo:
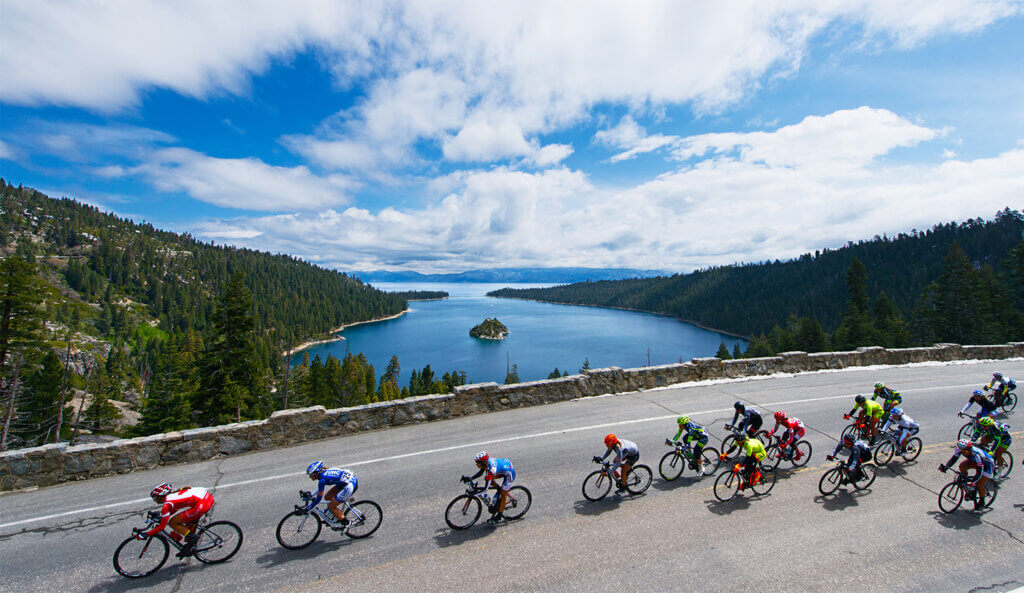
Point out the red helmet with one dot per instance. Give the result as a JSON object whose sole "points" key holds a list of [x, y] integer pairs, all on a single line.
{"points": [[161, 491], [482, 457], [610, 440], [780, 416]]}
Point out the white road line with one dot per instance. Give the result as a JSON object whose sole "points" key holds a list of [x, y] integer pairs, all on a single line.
{"points": [[536, 435]]}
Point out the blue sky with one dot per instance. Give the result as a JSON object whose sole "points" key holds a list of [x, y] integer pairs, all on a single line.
{"points": [[442, 136]]}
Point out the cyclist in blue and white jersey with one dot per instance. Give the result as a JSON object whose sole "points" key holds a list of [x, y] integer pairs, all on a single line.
{"points": [[492, 469], [626, 456], [343, 485], [977, 458], [908, 427]]}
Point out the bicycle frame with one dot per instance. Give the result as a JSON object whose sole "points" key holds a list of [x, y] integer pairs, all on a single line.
{"points": [[323, 510], [153, 518]]}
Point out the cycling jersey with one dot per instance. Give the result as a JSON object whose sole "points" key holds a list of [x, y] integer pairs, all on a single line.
{"points": [[694, 432], [751, 420], [859, 452], [979, 458], [905, 422], [999, 433], [754, 448], [790, 424], [891, 397], [192, 503], [872, 409], [988, 407], [343, 478]]}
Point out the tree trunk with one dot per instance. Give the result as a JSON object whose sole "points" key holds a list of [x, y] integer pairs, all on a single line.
{"points": [[13, 389], [78, 416], [63, 389]]}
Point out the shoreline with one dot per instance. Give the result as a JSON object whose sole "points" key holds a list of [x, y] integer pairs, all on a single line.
{"points": [[334, 337], [693, 323]]}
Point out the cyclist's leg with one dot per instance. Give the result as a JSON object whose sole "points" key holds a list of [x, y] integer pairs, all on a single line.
{"points": [[503, 491], [998, 455], [336, 497]]}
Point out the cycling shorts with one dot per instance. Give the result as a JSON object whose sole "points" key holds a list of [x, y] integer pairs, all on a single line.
{"points": [[988, 468], [796, 436], [629, 458], [194, 513], [509, 477], [346, 491]]}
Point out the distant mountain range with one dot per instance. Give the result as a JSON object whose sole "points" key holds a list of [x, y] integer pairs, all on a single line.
{"points": [[511, 275]]}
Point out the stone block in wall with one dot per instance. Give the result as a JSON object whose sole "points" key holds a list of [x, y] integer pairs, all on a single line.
{"points": [[602, 381], [794, 361], [871, 355], [997, 351], [945, 352], [708, 368], [474, 398]]}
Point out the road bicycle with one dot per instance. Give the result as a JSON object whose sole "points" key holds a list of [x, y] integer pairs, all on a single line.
{"points": [[1003, 469], [301, 527], [953, 494], [598, 483], [730, 441], [889, 446], [968, 430], [837, 476], [683, 455], [733, 479], [464, 510], [216, 542], [1005, 402], [776, 453], [858, 428]]}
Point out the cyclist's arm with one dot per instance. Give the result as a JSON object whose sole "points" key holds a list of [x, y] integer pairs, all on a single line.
{"points": [[888, 421], [735, 416], [774, 428], [678, 434], [165, 516], [968, 406], [478, 474]]}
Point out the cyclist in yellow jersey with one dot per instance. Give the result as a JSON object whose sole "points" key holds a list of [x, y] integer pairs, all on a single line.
{"points": [[754, 454], [870, 410]]}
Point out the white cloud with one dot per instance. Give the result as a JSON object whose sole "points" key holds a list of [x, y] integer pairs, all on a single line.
{"points": [[6, 152]]}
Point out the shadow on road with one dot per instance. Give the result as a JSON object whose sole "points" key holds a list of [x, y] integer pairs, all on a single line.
{"points": [[445, 537], [608, 503], [119, 584], [718, 507], [1019, 506], [841, 499], [279, 555], [895, 469], [956, 520], [683, 482]]}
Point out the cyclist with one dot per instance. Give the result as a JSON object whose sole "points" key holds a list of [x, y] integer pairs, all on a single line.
{"points": [[986, 405], [908, 427], [890, 397], [181, 511], [994, 434], [793, 432], [1002, 386], [977, 458], [626, 455], [870, 410], [860, 452], [343, 485], [754, 454], [492, 469], [751, 419], [696, 436]]}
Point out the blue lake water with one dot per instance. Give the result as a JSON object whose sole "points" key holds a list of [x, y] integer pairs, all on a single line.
{"points": [[542, 336]]}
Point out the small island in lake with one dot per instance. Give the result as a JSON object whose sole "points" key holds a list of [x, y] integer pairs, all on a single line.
{"points": [[490, 329]]}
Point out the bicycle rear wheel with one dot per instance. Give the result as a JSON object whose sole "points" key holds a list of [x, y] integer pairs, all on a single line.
{"points": [[867, 476], [298, 529], [1003, 471], [364, 519], [884, 453], [766, 483], [218, 542], [597, 485], [773, 456], [802, 453], [639, 479], [1010, 402], [519, 501], [951, 497], [726, 485], [990, 495], [671, 466], [830, 481], [462, 512], [709, 462], [140, 558], [913, 449]]}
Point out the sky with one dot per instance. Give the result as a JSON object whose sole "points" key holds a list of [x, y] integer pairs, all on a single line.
{"points": [[446, 136]]}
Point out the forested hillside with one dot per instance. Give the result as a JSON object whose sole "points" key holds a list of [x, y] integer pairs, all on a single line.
{"points": [[896, 272], [176, 331]]}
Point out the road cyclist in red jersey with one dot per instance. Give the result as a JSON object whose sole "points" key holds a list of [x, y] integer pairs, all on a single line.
{"points": [[180, 510]]}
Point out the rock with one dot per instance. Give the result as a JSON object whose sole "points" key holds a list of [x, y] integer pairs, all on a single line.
{"points": [[232, 445]]}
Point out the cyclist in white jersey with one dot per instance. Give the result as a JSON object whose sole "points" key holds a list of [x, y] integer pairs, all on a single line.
{"points": [[626, 455]]}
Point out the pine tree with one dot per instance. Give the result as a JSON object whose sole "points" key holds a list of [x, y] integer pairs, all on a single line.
{"points": [[856, 329], [512, 376], [892, 327], [723, 351]]}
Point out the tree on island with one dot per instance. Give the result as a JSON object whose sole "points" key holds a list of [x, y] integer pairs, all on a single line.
{"points": [[490, 329]]}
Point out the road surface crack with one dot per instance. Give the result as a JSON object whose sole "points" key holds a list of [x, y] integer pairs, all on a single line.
{"points": [[993, 586]]}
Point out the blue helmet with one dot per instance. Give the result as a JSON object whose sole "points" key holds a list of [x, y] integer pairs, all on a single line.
{"points": [[979, 392], [314, 467], [896, 412]]}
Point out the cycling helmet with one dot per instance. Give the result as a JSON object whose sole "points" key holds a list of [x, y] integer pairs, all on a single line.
{"points": [[780, 416], [879, 386], [860, 399], [314, 467], [682, 420], [963, 444], [987, 422], [1011, 384], [848, 440], [978, 392], [740, 437], [482, 457], [610, 440], [997, 375], [897, 412], [161, 491], [739, 406]]}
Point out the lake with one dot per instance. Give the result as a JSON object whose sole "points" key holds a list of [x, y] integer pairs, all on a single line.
{"points": [[542, 336]]}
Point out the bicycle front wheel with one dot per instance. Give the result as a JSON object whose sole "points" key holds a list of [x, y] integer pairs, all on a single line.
{"points": [[726, 485], [1003, 471], [1010, 402], [830, 481], [597, 485], [867, 476], [913, 449], [850, 429], [519, 501], [709, 462], [140, 558], [773, 456], [966, 431], [766, 483], [951, 497], [729, 442], [801, 453], [364, 519], [218, 542], [884, 452], [462, 512], [639, 479], [298, 529], [671, 466]]}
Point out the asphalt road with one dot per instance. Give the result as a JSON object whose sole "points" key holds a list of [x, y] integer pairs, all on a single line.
{"points": [[675, 537]]}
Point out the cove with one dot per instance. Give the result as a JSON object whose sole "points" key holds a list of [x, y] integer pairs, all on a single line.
{"points": [[542, 336]]}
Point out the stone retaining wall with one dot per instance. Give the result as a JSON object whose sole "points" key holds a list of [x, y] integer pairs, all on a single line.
{"points": [[53, 464]]}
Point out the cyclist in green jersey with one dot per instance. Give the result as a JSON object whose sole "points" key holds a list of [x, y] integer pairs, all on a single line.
{"points": [[696, 436], [994, 435], [754, 452]]}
